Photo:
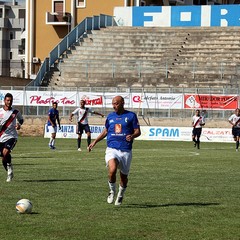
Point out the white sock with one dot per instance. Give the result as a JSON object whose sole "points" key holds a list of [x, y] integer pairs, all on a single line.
{"points": [[112, 186], [53, 142], [50, 141], [121, 191]]}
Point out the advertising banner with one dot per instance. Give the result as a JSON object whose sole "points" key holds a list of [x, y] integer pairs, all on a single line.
{"points": [[92, 99], [109, 96], [17, 97], [135, 100], [46, 98], [69, 131], [178, 16], [214, 102], [157, 100], [154, 133]]}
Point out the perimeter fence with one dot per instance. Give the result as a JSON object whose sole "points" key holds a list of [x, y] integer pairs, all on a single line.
{"points": [[175, 103]]}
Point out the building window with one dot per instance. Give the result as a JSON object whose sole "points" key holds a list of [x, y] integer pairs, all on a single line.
{"points": [[58, 6], [11, 35], [81, 3], [10, 55], [21, 13]]}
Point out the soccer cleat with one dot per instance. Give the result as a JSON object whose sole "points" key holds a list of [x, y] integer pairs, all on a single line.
{"points": [[119, 200], [195, 145], [89, 149], [110, 197], [9, 173], [236, 149], [79, 149]]}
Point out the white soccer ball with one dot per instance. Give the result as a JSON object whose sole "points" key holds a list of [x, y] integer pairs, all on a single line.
{"points": [[24, 206]]}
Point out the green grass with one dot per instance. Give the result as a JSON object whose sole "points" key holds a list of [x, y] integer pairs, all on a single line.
{"points": [[175, 192]]}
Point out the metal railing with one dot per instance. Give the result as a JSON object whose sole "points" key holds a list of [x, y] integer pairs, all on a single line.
{"points": [[88, 24], [140, 69], [41, 111]]}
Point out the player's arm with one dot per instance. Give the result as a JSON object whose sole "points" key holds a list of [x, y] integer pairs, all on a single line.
{"points": [[58, 121], [231, 122], [136, 133], [192, 123], [97, 113], [70, 117], [49, 119], [19, 121], [100, 137]]}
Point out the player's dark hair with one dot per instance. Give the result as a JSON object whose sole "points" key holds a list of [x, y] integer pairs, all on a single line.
{"points": [[54, 103], [8, 95]]}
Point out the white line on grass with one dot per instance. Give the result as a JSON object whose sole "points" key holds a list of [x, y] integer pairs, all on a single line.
{"points": [[50, 151], [194, 153]]}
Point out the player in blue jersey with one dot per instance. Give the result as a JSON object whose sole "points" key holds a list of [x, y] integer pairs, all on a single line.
{"points": [[53, 119], [121, 127]]}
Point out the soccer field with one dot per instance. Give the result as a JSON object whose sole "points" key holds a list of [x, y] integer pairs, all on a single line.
{"points": [[175, 192]]}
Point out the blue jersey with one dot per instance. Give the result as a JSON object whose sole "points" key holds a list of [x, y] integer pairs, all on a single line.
{"points": [[53, 115], [118, 127]]}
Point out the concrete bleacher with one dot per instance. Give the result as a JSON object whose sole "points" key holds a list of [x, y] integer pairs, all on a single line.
{"points": [[152, 57]]}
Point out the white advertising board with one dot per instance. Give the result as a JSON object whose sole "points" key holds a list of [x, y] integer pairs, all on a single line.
{"points": [[154, 133]]}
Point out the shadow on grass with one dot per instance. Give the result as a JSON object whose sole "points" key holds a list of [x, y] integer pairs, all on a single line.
{"points": [[147, 205], [58, 180]]}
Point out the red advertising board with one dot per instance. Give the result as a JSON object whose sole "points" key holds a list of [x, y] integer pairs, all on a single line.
{"points": [[207, 101]]}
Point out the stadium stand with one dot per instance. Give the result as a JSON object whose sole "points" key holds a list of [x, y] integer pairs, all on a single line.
{"points": [[152, 57]]}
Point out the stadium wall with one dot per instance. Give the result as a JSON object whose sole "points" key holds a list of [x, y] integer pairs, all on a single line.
{"points": [[35, 126]]}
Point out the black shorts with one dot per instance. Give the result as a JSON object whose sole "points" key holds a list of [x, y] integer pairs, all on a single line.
{"points": [[9, 144], [197, 132], [236, 132], [82, 127]]}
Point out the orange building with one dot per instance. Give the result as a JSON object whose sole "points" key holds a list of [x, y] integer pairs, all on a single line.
{"points": [[48, 21]]}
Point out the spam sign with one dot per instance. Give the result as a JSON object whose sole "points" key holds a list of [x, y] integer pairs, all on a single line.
{"points": [[153, 133]]}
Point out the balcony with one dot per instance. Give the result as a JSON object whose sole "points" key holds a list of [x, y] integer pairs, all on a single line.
{"points": [[58, 18], [11, 23]]}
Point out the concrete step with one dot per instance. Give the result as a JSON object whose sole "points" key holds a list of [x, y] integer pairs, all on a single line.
{"points": [[217, 30]]}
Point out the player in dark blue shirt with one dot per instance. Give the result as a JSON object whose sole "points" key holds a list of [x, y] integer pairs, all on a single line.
{"points": [[121, 127], [53, 119]]}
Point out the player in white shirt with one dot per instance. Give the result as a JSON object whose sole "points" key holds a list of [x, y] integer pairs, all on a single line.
{"points": [[82, 119], [234, 120], [10, 121], [198, 122]]}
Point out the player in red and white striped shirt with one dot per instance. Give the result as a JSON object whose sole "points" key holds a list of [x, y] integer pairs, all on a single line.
{"points": [[234, 120], [82, 119], [198, 122], [10, 121]]}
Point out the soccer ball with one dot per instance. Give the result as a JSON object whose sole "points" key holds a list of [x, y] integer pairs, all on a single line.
{"points": [[24, 206]]}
